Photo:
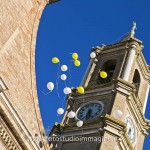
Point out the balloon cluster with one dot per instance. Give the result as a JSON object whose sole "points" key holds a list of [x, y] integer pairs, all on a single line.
{"points": [[80, 89], [76, 61], [66, 90]]}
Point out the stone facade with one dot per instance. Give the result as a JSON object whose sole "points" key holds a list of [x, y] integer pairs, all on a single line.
{"points": [[19, 110]]}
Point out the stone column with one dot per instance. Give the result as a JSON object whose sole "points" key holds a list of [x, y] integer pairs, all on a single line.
{"points": [[129, 61]]}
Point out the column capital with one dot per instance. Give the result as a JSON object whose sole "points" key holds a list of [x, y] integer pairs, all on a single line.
{"points": [[133, 45]]}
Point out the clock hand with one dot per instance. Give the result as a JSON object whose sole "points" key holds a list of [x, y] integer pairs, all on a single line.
{"points": [[88, 113], [84, 117]]}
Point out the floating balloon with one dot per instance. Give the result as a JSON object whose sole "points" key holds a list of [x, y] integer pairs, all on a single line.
{"points": [[71, 114], [75, 56], [92, 55], [77, 63], [55, 60], [63, 77], [67, 90], [60, 111], [103, 74], [117, 113], [80, 123], [64, 68], [80, 89], [50, 86]]}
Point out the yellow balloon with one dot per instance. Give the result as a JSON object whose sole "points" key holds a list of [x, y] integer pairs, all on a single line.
{"points": [[77, 63], [80, 89], [103, 74], [55, 60], [75, 56]]}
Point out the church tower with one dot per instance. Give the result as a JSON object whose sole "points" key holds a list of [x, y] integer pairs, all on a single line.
{"points": [[112, 109]]}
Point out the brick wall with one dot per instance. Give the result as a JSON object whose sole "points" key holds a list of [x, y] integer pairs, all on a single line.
{"points": [[18, 28]]}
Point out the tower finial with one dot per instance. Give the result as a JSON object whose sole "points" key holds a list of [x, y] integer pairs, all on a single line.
{"points": [[133, 29]]}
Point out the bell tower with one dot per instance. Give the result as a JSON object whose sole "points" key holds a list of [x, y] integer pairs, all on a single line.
{"points": [[112, 108]]}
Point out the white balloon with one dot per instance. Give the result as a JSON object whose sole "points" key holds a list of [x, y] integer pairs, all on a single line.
{"points": [[92, 55], [60, 111], [64, 68], [63, 77], [50, 86], [117, 113], [67, 90], [80, 123], [71, 114]]}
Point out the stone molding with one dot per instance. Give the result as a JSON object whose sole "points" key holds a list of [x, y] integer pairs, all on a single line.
{"points": [[7, 138], [109, 124], [13, 120], [127, 89], [118, 129]]}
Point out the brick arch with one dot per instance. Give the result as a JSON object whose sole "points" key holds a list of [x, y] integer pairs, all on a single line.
{"points": [[17, 69], [32, 67]]}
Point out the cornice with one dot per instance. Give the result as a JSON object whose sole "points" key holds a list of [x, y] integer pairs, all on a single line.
{"points": [[109, 124], [62, 130], [124, 87], [142, 123], [16, 124], [117, 45], [121, 126], [7, 138], [119, 130], [125, 83], [92, 90], [110, 46]]}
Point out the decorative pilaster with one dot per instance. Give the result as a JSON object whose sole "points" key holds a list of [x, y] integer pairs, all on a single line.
{"points": [[129, 61]]}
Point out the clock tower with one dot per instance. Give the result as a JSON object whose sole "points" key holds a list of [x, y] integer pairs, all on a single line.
{"points": [[112, 109]]}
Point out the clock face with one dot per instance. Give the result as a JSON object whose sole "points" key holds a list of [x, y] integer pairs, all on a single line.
{"points": [[130, 129], [90, 111]]}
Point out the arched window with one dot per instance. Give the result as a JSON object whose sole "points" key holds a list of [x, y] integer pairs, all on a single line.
{"points": [[136, 81], [109, 68]]}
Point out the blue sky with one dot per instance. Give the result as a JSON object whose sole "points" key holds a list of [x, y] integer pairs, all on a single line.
{"points": [[76, 26]]}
